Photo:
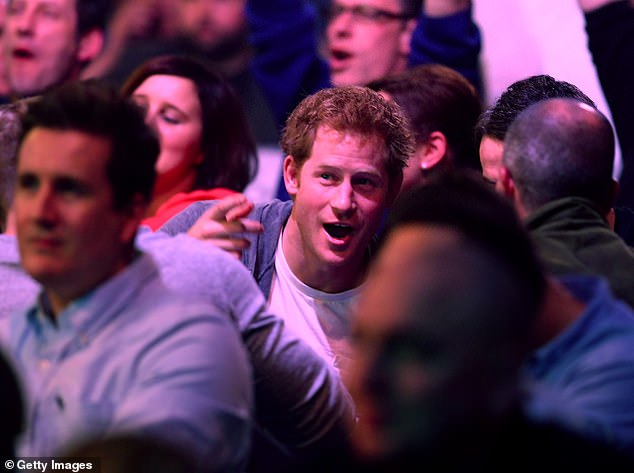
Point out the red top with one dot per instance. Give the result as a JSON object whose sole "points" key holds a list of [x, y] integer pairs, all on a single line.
{"points": [[180, 201]]}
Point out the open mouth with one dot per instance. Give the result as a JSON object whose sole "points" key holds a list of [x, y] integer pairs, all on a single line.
{"points": [[339, 55], [22, 53], [339, 58], [338, 230]]}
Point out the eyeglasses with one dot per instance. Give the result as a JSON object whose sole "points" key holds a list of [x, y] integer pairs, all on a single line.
{"points": [[364, 13]]}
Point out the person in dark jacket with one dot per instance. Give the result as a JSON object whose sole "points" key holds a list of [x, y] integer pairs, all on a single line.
{"points": [[557, 170]]}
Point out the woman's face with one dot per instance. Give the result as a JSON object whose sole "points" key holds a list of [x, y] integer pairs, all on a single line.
{"points": [[172, 109]]}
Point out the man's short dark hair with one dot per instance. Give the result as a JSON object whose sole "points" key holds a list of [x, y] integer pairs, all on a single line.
{"points": [[496, 120], [97, 108], [437, 98]]}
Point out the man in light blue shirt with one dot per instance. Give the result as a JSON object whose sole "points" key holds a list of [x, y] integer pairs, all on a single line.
{"points": [[107, 348], [293, 387]]}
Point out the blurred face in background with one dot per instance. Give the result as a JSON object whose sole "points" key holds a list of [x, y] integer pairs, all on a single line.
{"points": [[41, 44], [421, 360], [367, 40], [213, 24]]}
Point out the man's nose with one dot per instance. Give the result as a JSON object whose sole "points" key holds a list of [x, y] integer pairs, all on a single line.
{"points": [[343, 202], [44, 207], [24, 21], [340, 23]]}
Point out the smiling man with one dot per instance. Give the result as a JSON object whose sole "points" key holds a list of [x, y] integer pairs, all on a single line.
{"points": [[48, 42], [345, 150]]}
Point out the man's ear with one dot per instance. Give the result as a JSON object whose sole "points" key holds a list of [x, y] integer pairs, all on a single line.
{"points": [[615, 191], [505, 185], [90, 45], [432, 151], [405, 39], [291, 175], [611, 215]]}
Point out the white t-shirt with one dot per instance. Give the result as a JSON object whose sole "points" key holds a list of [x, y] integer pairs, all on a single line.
{"points": [[319, 318]]}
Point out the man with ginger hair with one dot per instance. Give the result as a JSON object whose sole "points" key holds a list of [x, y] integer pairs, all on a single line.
{"points": [[345, 149]]}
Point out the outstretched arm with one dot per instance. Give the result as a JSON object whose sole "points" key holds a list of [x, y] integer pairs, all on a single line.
{"points": [[287, 64], [436, 8], [222, 223], [589, 5], [446, 34]]}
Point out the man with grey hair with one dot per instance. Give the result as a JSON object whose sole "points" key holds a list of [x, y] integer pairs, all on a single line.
{"points": [[557, 169]]}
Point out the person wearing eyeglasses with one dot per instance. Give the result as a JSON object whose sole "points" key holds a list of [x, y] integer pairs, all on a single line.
{"points": [[364, 40], [369, 39]]}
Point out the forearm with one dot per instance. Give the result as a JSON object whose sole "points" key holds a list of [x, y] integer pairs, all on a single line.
{"points": [[287, 64], [439, 8], [452, 40], [589, 5]]}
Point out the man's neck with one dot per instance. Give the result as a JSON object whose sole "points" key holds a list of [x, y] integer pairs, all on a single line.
{"points": [[60, 297]]}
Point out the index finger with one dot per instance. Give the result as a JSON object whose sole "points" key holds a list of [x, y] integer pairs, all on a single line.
{"points": [[230, 208]]}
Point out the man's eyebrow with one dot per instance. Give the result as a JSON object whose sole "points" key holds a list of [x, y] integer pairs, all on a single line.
{"points": [[327, 167], [70, 180]]}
